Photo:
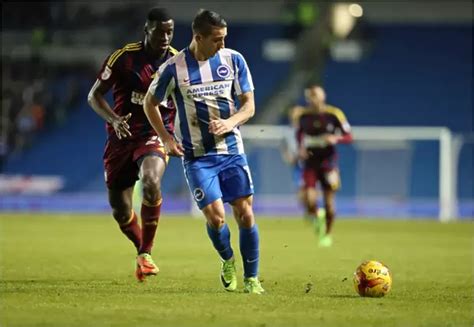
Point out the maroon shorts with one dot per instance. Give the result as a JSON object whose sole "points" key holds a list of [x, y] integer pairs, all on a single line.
{"points": [[329, 178], [121, 160]]}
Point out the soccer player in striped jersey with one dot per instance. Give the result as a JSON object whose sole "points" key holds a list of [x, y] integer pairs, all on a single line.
{"points": [[133, 150], [319, 128], [204, 79]]}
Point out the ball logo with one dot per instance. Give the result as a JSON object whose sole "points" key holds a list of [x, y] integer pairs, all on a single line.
{"points": [[198, 194], [223, 71]]}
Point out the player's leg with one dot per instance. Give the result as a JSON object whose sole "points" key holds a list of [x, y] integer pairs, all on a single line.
{"points": [[203, 182], [302, 199], [149, 162], [309, 193], [152, 168], [217, 228], [325, 239], [299, 183], [120, 201], [330, 183], [119, 178], [219, 233], [301, 196], [237, 189], [204, 186], [249, 237], [121, 173], [311, 200], [329, 205], [249, 243], [311, 176]]}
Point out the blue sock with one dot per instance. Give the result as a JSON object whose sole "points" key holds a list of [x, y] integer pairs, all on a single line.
{"points": [[221, 240], [249, 250]]}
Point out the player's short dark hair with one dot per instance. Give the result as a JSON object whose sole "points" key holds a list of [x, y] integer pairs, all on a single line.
{"points": [[158, 15], [205, 20]]}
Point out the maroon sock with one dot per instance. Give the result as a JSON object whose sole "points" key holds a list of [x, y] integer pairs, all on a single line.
{"points": [[150, 217], [329, 220], [132, 230]]}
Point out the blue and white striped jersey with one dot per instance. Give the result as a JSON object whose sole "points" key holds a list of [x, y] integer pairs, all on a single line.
{"points": [[201, 91]]}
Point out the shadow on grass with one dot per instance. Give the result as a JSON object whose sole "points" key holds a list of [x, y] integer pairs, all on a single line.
{"points": [[96, 286], [343, 296]]}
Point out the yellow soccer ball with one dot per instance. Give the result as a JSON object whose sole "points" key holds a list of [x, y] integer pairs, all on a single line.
{"points": [[372, 279]]}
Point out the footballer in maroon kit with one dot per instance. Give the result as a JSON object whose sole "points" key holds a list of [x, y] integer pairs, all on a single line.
{"points": [[319, 128], [133, 150]]}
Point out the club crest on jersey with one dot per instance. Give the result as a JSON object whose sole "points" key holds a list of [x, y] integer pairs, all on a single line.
{"points": [[106, 73], [223, 71], [198, 194]]}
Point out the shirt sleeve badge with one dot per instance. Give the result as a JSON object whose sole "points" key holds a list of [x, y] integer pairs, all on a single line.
{"points": [[106, 73]]}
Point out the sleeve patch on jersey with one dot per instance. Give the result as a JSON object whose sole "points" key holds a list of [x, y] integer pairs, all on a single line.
{"points": [[106, 73]]}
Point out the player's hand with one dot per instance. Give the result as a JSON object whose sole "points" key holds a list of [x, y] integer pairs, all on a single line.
{"points": [[173, 148], [331, 139], [303, 153], [220, 126], [121, 126]]}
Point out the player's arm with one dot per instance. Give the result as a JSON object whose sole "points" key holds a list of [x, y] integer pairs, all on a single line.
{"points": [[346, 135], [345, 138], [302, 151], [289, 147], [240, 117], [96, 97], [152, 111], [97, 101], [295, 114], [158, 91], [243, 85], [338, 138]]}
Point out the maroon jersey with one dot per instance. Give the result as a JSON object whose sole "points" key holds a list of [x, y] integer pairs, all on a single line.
{"points": [[314, 126], [130, 71]]}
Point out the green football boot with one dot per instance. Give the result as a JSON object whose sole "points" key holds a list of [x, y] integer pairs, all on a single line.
{"points": [[252, 285], [325, 241], [320, 224], [229, 275]]}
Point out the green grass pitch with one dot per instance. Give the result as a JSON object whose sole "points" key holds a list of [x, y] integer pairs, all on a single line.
{"points": [[71, 270]]}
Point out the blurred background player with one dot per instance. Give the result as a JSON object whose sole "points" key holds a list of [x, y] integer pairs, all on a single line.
{"points": [[133, 150], [290, 154], [203, 79], [319, 128]]}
